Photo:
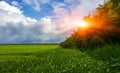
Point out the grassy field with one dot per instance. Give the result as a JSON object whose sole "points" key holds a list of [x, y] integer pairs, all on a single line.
{"points": [[18, 49], [54, 59]]}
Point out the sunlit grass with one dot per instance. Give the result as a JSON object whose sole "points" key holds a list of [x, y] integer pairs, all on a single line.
{"points": [[10, 49]]}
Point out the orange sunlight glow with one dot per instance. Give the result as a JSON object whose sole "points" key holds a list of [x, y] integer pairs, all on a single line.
{"points": [[76, 23], [81, 24]]}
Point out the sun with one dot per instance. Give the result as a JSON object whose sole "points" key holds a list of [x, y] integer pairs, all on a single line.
{"points": [[81, 24]]}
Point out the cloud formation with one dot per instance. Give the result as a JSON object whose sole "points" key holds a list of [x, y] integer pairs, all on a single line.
{"points": [[17, 28], [35, 4], [82, 7], [16, 4]]}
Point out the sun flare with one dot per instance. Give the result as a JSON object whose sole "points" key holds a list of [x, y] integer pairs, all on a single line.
{"points": [[81, 24]]}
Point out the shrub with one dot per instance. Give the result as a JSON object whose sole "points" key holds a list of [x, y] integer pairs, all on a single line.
{"points": [[92, 38]]}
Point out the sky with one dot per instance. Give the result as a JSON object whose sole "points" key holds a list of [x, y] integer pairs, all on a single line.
{"points": [[41, 21]]}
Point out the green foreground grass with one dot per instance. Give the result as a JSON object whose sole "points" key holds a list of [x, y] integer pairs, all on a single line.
{"points": [[54, 59]]}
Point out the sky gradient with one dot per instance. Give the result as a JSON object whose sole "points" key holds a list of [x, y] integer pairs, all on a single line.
{"points": [[41, 21]]}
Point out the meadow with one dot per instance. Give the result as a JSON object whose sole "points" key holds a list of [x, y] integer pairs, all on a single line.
{"points": [[55, 59]]}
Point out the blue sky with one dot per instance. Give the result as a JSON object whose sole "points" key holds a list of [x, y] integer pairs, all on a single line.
{"points": [[41, 21]]}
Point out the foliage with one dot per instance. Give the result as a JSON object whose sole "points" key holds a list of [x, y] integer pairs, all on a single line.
{"points": [[104, 29]]}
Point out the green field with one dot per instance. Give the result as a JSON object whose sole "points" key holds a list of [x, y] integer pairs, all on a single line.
{"points": [[19, 49], [54, 59]]}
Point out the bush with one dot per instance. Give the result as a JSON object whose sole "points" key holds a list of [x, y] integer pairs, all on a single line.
{"points": [[92, 38]]}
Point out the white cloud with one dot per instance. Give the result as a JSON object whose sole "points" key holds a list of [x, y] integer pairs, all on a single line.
{"points": [[47, 25], [6, 7], [35, 4], [89, 5], [44, 1], [69, 1], [11, 14], [83, 7], [16, 4], [59, 10]]}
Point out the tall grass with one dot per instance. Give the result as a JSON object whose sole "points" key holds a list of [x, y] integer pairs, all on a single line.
{"points": [[60, 60], [110, 55]]}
